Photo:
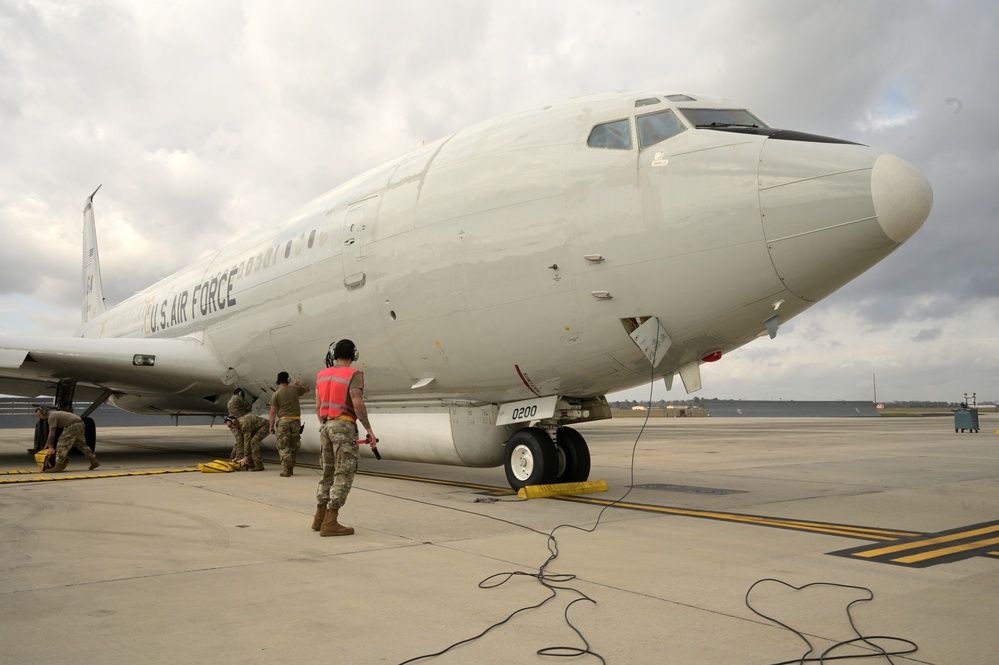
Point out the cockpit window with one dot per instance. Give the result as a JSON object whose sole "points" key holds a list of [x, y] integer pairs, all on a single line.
{"points": [[722, 118], [657, 127], [615, 135]]}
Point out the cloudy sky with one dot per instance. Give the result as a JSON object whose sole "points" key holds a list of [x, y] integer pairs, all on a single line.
{"points": [[207, 120]]}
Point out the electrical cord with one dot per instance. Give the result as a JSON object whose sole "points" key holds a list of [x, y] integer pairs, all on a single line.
{"points": [[558, 582], [825, 656], [554, 582]]}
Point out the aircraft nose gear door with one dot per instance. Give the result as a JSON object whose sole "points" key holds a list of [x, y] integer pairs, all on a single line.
{"points": [[652, 339]]}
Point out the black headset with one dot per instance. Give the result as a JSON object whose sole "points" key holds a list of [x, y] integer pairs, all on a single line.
{"points": [[346, 347]]}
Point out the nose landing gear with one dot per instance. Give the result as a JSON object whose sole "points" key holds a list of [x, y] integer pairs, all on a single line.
{"points": [[534, 458]]}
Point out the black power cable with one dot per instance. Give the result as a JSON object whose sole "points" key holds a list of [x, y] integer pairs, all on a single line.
{"points": [[555, 583], [877, 651], [558, 582]]}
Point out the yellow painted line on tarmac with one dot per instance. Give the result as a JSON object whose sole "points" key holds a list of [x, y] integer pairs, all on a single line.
{"points": [[913, 540], [852, 531], [39, 477], [933, 548], [848, 530], [433, 481], [946, 551], [963, 535]]}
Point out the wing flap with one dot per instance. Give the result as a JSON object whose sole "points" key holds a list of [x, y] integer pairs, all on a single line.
{"points": [[12, 358]]}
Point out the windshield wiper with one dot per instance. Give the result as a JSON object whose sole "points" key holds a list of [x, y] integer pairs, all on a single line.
{"points": [[727, 124]]}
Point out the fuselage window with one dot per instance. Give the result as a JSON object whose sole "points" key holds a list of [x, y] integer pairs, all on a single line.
{"points": [[614, 135], [312, 238], [287, 250], [657, 127]]}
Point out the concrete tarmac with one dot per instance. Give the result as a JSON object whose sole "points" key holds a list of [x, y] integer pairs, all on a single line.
{"points": [[891, 524]]}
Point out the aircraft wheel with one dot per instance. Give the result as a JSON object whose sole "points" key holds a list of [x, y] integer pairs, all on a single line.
{"points": [[573, 456], [530, 458], [41, 434], [90, 433]]}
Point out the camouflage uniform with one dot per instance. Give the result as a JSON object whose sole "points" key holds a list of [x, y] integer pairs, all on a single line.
{"points": [[289, 440], [255, 429], [339, 458], [286, 414], [238, 407], [72, 437]]}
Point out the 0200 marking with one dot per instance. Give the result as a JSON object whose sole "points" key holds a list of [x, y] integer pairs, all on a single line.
{"points": [[524, 412]]}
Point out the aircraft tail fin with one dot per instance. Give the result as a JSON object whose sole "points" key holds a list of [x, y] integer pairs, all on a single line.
{"points": [[93, 291]]}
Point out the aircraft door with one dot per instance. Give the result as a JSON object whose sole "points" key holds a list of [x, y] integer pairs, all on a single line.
{"points": [[603, 218], [357, 229]]}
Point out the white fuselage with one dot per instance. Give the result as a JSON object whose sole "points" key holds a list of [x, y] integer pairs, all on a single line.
{"points": [[511, 260]]}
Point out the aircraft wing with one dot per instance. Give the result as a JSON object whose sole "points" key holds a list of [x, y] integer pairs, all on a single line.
{"points": [[31, 366]]}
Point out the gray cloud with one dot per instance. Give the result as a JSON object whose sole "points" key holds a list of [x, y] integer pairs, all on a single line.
{"points": [[205, 121]]}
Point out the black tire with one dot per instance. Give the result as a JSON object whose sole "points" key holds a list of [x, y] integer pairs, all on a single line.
{"points": [[90, 433], [41, 434], [573, 456], [530, 458]]}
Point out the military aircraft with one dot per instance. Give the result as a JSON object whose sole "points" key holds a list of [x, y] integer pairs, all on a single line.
{"points": [[500, 281]]}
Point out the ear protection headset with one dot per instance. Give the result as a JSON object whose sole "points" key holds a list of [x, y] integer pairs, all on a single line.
{"points": [[341, 348]]}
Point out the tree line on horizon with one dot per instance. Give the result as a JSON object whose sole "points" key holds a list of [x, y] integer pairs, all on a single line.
{"points": [[701, 402]]}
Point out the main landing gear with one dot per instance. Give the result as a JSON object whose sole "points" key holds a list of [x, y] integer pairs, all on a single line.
{"points": [[534, 458]]}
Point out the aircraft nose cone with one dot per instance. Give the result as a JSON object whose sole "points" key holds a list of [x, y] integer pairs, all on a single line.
{"points": [[831, 211], [902, 197]]}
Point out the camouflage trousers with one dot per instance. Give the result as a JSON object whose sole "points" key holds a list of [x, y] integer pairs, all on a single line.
{"points": [[237, 449], [72, 437], [289, 439], [339, 458], [252, 439]]}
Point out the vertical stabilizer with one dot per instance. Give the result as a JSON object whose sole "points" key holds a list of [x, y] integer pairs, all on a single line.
{"points": [[93, 292]]}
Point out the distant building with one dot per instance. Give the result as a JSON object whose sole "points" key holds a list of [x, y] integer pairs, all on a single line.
{"points": [[789, 409]]}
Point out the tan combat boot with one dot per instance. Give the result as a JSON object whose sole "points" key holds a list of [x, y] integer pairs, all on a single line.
{"points": [[288, 470], [317, 520], [258, 465], [94, 463], [333, 528], [60, 466]]}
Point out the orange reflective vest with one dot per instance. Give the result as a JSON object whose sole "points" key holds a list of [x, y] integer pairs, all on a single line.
{"points": [[332, 384]]}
